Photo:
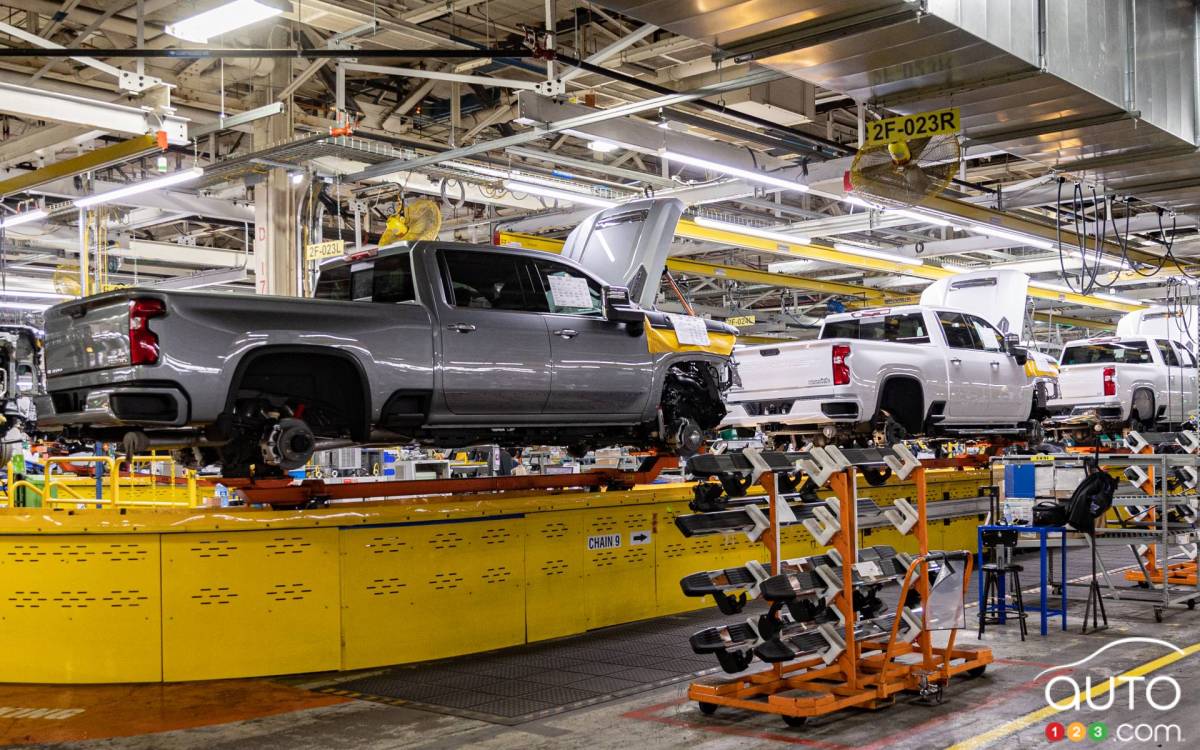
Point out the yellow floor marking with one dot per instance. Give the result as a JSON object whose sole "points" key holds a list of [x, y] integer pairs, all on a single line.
{"points": [[1016, 725]]}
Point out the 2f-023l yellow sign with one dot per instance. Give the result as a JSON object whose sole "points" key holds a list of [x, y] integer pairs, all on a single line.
{"points": [[908, 127], [322, 250]]}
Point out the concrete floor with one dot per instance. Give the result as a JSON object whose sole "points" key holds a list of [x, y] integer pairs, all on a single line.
{"points": [[664, 719]]}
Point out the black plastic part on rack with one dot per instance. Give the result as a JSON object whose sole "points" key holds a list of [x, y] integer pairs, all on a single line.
{"points": [[727, 521]]}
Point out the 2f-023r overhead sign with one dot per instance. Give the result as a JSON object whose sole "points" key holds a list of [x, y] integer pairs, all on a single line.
{"points": [[909, 127]]}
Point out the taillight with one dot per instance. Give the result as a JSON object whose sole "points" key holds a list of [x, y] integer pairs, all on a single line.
{"points": [[1110, 381], [841, 370], [143, 343]]}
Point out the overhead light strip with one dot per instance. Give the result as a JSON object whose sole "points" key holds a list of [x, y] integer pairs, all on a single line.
{"points": [[745, 174], [513, 186], [137, 188]]}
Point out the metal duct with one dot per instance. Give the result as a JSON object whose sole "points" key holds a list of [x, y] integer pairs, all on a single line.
{"points": [[1104, 89]]}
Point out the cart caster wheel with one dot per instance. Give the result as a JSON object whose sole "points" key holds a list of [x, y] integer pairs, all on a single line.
{"points": [[795, 721], [1143, 585], [1191, 603], [1158, 617], [708, 709], [977, 671], [1056, 590]]}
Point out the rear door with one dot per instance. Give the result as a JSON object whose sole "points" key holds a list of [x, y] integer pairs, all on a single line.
{"points": [[627, 245], [970, 369], [495, 353], [599, 366], [1189, 378], [1175, 398]]}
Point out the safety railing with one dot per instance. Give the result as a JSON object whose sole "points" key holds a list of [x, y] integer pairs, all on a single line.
{"points": [[150, 481]]}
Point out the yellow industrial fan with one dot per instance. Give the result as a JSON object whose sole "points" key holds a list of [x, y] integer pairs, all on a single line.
{"points": [[902, 172], [420, 219]]}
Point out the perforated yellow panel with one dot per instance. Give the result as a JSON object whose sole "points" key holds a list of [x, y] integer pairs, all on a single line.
{"points": [[91, 604], [418, 592], [554, 548], [269, 598], [679, 556], [620, 582]]}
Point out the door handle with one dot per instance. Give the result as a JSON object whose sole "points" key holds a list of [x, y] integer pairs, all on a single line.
{"points": [[956, 361], [461, 327], [567, 333], [995, 365]]}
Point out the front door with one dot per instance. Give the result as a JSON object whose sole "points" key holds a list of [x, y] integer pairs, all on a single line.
{"points": [[968, 372], [495, 346], [1008, 400], [600, 366]]}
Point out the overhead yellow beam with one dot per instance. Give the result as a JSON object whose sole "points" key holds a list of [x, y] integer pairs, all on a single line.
{"points": [[1066, 320], [92, 160], [692, 230], [752, 276]]}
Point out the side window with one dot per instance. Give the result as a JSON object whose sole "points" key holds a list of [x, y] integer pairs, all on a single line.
{"points": [[566, 290], [492, 281], [1168, 353], [988, 336], [393, 279], [960, 334]]}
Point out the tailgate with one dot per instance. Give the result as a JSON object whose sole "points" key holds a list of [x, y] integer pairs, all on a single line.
{"points": [[1081, 381], [789, 370], [97, 337]]}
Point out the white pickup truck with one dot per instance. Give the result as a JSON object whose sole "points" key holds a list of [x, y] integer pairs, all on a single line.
{"points": [[902, 371], [1124, 381]]}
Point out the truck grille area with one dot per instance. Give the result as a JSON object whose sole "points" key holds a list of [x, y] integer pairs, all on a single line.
{"points": [[767, 408]]}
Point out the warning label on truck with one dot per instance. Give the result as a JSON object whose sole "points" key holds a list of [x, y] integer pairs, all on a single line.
{"points": [[604, 541]]}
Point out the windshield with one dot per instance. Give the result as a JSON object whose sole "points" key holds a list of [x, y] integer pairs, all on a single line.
{"points": [[1126, 352]]}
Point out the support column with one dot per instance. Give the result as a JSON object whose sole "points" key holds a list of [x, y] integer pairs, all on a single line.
{"points": [[276, 261]]}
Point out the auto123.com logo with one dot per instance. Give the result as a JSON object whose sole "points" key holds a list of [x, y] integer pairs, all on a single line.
{"points": [[1149, 697]]}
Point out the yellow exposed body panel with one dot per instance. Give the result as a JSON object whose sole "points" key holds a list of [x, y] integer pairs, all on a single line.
{"points": [[185, 594], [660, 340]]}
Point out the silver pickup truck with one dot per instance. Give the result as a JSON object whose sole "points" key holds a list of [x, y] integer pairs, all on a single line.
{"points": [[442, 343]]}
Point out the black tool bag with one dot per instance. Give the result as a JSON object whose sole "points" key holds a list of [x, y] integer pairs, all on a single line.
{"points": [[1091, 499], [1049, 513]]}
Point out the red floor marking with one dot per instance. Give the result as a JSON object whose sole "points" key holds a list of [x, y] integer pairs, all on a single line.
{"points": [[651, 713], [36, 714]]}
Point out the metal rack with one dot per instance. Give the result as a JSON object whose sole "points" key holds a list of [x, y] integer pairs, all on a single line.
{"points": [[830, 657], [1154, 514]]}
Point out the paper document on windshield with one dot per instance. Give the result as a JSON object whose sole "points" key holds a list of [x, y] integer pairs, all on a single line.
{"points": [[689, 329]]}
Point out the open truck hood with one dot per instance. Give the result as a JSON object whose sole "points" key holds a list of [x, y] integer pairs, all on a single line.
{"points": [[627, 245], [997, 296]]}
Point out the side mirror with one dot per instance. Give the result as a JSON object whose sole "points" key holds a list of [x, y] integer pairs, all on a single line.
{"points": [[1012, 345], [619, 308]]}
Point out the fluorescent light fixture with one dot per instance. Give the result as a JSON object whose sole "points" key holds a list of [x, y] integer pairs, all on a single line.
{"points": [[223, 19], [1118, 298], [514, 186], [25, 218], [1004, 234], [603, 147], [30, 306], [921, 217], [868, 253], [746, 174], [955, 269], [21, 293], [854, 200], [1052, 287], [297, 178], [502, 174], [766, 234], [186, 175]]}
